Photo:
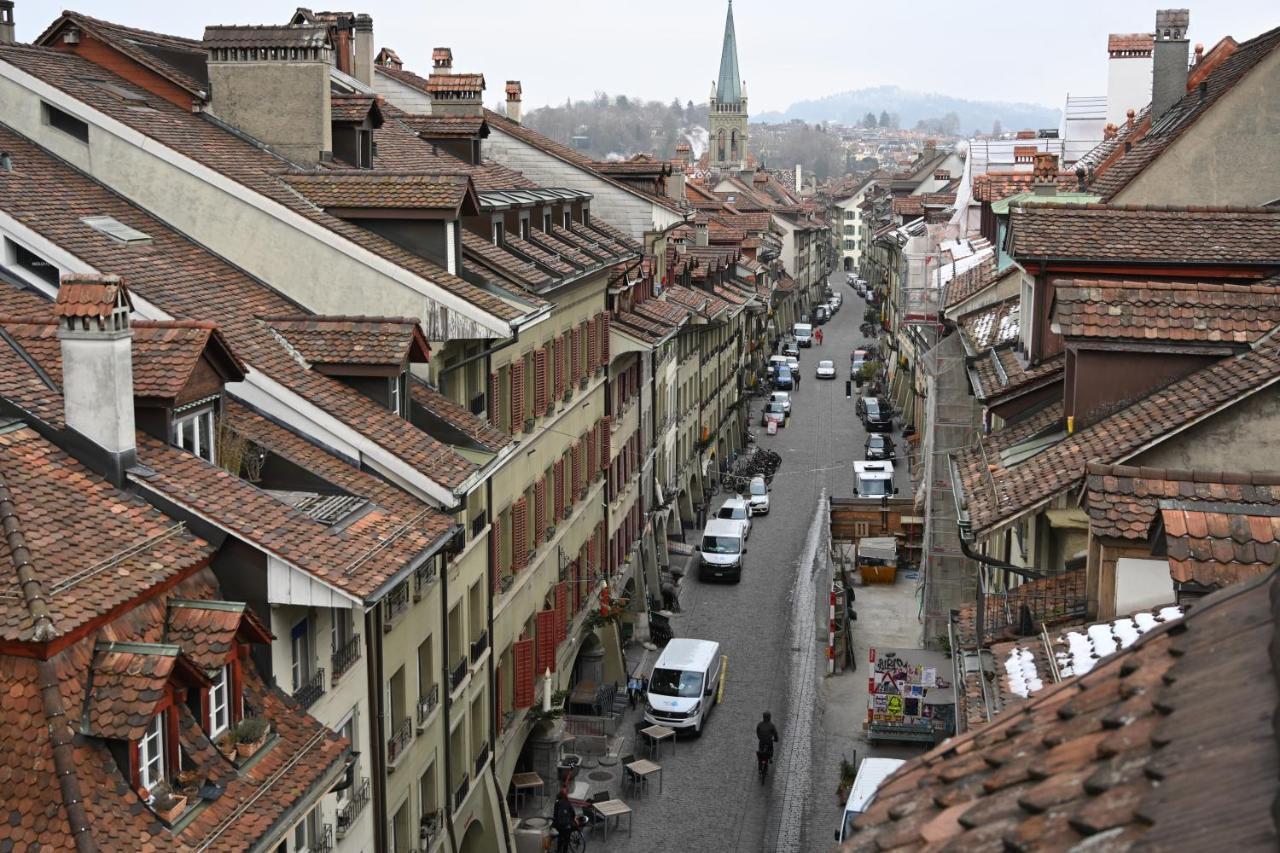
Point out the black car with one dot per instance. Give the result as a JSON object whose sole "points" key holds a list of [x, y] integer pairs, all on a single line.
{"points": [[875, 413], [879, 446], [791, 348]]}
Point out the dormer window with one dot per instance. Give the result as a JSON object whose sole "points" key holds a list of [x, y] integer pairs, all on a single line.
{"points": [[151, 753], [586, 216], [546, 223], [395, 393], [568, 217], [524, 228], [220, 702], [497, 233], [193, 429]]}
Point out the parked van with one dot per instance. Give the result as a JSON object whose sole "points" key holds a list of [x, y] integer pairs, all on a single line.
{"points": [[871, 773], [721, 549], [872, 479], [803, 333], [684, 685]]}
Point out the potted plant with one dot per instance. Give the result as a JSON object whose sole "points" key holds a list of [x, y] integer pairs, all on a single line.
{"points": [[166, 804], [848, 772], [528, 425], [250, 735], [188, 783], [227, 744]]}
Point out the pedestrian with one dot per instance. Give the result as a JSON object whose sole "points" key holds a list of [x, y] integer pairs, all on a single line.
{"points": [[563, 820], [818, 335], [633, 690]]}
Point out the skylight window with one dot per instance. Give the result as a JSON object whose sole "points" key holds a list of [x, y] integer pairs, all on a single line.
{"points": [[116, 229]]}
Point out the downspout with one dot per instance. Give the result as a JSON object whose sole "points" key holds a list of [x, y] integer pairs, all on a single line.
{"points": [[377, 699], [493, 679], [979, 612], [446, 688]]}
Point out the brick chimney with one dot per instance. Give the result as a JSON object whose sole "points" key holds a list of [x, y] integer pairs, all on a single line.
{"points": [[453, 93], [1169, 64], [272, 82], [362, 61], [97, 368], [442, 60], [1044, 179], [6, 22], [513, 100]]}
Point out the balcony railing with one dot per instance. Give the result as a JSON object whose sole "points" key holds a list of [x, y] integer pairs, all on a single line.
{"points": [[358, 799], [460, 795], [308, 693], [423, 577], [395, 605], [1021, 610], [324, 843], [458, 674], [478, 524], [481, 758], [398, 743], [345, 657], [478, 647], [428, 703]]}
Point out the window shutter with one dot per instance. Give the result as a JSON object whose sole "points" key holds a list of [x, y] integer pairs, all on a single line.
{"points": [[558, 489], [494, 404], [575, 354], [604, 338], [495, 552], [562, 611], [592, 469], [593, 344], [558, 365], [517, 396], [575, 460], [547, 640], [539, 510], [540, 382], [519, 534], [606, 433], [593, 555], [522, 655]]}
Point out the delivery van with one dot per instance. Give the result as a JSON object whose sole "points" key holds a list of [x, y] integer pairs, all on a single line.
{"points": [[871, 773], [803, 333], [720, 550], [872, 479], [684, 685]]}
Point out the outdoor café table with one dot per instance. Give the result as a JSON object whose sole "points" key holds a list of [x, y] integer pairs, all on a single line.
{"points": [[656, 735], [522, 782], [612, 808], [644, 768]]}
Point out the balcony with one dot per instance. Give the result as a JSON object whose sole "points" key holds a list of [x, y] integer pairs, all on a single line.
{"points": [[478, 524], [479, 646], [458, 674], [313, 689], [346, 657], [398, 743], [350, 810], [460, 794], [394, 606], [427, 704], [423, 577], [481, 758], [324, 843]]}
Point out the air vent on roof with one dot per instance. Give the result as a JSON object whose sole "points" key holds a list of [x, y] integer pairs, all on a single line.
{"points": [[116, 229]]}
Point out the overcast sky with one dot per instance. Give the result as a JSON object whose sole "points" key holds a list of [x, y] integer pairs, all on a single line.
{"points": [[789, 50]]}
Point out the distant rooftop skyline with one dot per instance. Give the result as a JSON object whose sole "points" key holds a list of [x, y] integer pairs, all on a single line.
{"points": [[788, 52]]}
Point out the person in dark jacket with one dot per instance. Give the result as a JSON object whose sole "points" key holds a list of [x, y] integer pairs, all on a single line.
{"points": [[564, 820], [766, 735]]}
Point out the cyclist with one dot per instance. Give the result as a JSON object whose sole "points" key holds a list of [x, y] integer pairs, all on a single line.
{"points": [[564, 820], [766, 737]]}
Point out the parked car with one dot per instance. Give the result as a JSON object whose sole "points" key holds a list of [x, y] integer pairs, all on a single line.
{"points": [[781, 397], [793, 362], [856, 359], [821, 315], [879, 446], [773, 412], [736, 509], [833, 305], [782, 378], [791, 347], [826, 370], [875, 414], [758, 496]]}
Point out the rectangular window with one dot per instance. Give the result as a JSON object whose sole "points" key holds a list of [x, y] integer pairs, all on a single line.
{"points": [[347, 729], [568, 217], [524, 228], [66, 123], [307, 832], [32, 263], [194, 432], [497, 233], [300, 654], [151, 753], [220, 702], [394, 395], [546, 223], [586, 216]]}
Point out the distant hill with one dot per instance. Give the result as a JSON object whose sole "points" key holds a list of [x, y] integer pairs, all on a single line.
{"points": [[850, 108]]}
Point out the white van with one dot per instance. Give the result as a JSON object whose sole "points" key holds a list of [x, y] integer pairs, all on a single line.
{"points": [[871, 772], [721, 549], [872, 479], [684, 685], [803, 333]]}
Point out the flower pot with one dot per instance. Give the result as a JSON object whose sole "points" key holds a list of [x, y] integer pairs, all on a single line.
{"points": [[176, 803], [246, 750]]}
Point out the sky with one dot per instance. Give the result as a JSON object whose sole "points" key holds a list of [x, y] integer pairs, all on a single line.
{"points": [[788, 50]]}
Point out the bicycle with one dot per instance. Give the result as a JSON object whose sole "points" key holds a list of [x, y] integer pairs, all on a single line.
{"points": [[577, 841], [762, 763]]}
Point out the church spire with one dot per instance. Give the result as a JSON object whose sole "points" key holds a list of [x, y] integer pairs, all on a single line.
{"points": [[729, 89]]}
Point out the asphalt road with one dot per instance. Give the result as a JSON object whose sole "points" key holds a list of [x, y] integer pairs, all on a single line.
{"points": [[712, 800]]}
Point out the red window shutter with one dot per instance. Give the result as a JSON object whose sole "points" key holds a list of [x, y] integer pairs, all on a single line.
{"points": [[494, 404], [606, 437], [495, 553], [540, 382], [517, 396], [522, 656], [593, 345], [575, 459], [604, 338], [547, 640], [558, 366], [579, 575], [562, 611], [592, 469], [558, 489], [519, 535], [539, 510], [575, 355], [593, 557]]}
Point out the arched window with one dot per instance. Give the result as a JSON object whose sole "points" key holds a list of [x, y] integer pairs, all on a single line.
{"points": [[720, 144], [733, 144]]}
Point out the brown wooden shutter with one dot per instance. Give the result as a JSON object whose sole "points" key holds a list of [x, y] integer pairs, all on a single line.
{"points": [[562, 611], [593, 344], [604, 338], [558, 489], [593, 554], [546, 641], [558, 367], [539, 510], [575, 355], [575, 461], [522, 655], [517, 396], [493, 404], [592, 470], [519, 534], [606, 438], [540, 382], [495, 553]]}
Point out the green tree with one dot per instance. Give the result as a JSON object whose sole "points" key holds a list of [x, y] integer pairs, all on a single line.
{"points": [[884, 118], [869, 120]]}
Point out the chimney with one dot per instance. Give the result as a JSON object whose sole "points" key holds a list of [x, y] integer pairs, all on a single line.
{"points": [[701, 234], [675, 183], [1169, 64], [6, 22], [97, 367], [442, 60], [513, 100], [1128, 73], [1045, 177], [362, 61], [799, 177], [272, 82], [341, 36], [453, 93]]}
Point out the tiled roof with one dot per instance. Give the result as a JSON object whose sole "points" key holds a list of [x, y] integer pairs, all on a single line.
{"points": [[1184, 235], [974, 280], [457, 416], [1123, 501], [1219, 544], [353, 108], [999, 374], [1128, 756], [352, 340], [1165, 311], [90, 547], [991, 326], [996, 494], [437, 83], [1168, 128], [156, 51], [381, 190], [504, 263], [206, 630], [266, 35], [240, 160], [995, 185], [441, 127], [126, 683], [1130, 43], [184, 280], [95, 298], [662, 310]]}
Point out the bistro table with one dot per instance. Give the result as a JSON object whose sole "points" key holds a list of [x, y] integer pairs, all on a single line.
{"points": [[612, 808], [656, 735], [645, 768], [522, 782]]}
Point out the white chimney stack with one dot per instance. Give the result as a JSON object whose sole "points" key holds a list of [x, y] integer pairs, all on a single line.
{"points": [[7, 33], [514, 93], [1128, 74], [799, 178], [362, 66]]}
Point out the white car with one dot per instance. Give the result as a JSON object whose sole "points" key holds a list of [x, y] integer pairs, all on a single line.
{"points": [[826, 370], [758, 496], [736, 509], [793, 363], [782, 397]]}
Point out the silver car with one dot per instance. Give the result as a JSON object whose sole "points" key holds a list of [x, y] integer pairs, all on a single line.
{"points": [[782, 397], [758, 496]]}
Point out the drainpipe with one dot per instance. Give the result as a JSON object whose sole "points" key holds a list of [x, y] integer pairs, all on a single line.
{"points": [[1028, 574], [377, 727]]}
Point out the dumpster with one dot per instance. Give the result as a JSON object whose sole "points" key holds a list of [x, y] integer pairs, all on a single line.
{"points": [[877, 559]]}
